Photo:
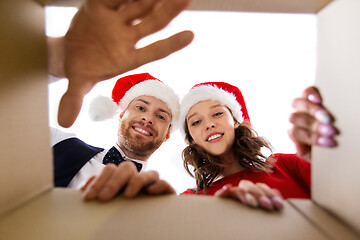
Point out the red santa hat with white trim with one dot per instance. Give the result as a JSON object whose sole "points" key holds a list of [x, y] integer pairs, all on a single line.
{"points": [[127, 89], [222, 92]]}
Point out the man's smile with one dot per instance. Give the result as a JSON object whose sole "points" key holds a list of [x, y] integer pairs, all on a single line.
{"points": [[142, 130]]}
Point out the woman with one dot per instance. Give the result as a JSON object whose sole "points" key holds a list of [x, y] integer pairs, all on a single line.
{"points": [[226, 153]]}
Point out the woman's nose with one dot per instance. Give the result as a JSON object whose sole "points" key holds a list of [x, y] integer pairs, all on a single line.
{"points": [[210, 125]]}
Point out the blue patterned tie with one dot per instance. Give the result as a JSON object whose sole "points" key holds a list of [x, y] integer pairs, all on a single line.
{"points": [[114, 156]]}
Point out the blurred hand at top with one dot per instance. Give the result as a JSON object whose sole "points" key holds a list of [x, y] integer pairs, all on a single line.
{"points": [[101, 44]]}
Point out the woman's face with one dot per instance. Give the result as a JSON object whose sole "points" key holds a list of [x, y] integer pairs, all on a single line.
{"points": [[212, 127]]}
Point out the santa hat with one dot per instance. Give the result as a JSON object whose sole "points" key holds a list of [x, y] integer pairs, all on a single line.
{"points": [[222, 92], [127, 89]]}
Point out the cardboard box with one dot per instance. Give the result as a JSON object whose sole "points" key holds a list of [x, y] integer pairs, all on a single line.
{"points": [[25, 150], [61, 214], [31, 209], [336, 171]]}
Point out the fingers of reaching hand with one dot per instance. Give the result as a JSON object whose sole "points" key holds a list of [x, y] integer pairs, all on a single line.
{"points": [[140, 181], [159, 187], [307, 130], [69, 108], [125, 177], [87, 183], [157, 19], [136, 10], [272, 199], [111, 180], [312, 94], [71, 102], [225, 192], [304, 128], [238, 193], [259, 194], [92, 190], [315, 110], [251, 193], [163, 48], [109, 4], [312, 123], [303, 142], [254, 195]]}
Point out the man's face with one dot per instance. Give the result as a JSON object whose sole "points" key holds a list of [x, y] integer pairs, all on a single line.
{"points": [[144, 126]]}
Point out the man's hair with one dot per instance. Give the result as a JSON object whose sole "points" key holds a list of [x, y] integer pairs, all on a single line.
{"points": [[207, 167]]}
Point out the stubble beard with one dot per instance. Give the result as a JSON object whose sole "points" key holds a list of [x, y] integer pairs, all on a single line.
{"points": [[137, 144]]}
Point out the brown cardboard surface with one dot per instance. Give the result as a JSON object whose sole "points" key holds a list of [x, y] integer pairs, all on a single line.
{"points": [[279, 6], [203, 217], [61, 214], [335, 172], [25, 155], [56, 214], [328, 224], [275, 6]]}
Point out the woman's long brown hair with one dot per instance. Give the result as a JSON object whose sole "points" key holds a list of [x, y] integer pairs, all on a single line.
{"points": [[247, 147]]}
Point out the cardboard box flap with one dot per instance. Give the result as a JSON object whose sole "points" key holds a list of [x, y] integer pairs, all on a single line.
{"points": [[330, 225], [275, 6], [26, 159], [335, 172], [61, 214]]}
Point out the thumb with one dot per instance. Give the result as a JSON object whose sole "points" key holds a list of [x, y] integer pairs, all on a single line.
{"points": [[69, 108]]}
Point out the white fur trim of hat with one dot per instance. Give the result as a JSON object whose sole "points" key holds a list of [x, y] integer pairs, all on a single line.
{"points": [[208, 92], [102, 108], [155, 89]]}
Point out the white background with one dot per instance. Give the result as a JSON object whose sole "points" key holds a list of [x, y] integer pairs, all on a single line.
{"points": [[270, 57]]}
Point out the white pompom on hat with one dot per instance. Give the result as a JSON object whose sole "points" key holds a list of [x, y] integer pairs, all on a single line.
{"points": [[127, 89], [102, 108], [222, 92]]}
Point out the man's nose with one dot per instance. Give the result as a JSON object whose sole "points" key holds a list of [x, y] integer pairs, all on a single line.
{"points": [[146, 119]]}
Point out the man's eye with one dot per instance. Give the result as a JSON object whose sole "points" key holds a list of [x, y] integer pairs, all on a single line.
{"points": [[140, 108], [161, 117]]}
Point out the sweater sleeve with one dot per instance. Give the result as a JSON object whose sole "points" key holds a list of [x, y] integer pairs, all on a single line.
{"points": [[298, 168], [188, 191]]}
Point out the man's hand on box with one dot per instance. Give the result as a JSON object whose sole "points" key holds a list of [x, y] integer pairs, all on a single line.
{"points": [[126, 179]]}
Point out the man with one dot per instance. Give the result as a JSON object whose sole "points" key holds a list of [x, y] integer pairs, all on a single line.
{"points": [[148, 110], [101, 44]]}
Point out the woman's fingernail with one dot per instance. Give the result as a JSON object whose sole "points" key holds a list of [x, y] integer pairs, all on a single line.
{"points": [[326, 142], [278, 202], [250, 200], [226, 186], [314, 98], [265, 202], [326, 130], [322, 116]]}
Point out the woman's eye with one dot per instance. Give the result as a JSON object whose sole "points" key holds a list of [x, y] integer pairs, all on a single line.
{"points": [[195, 123], [218, 114]]}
